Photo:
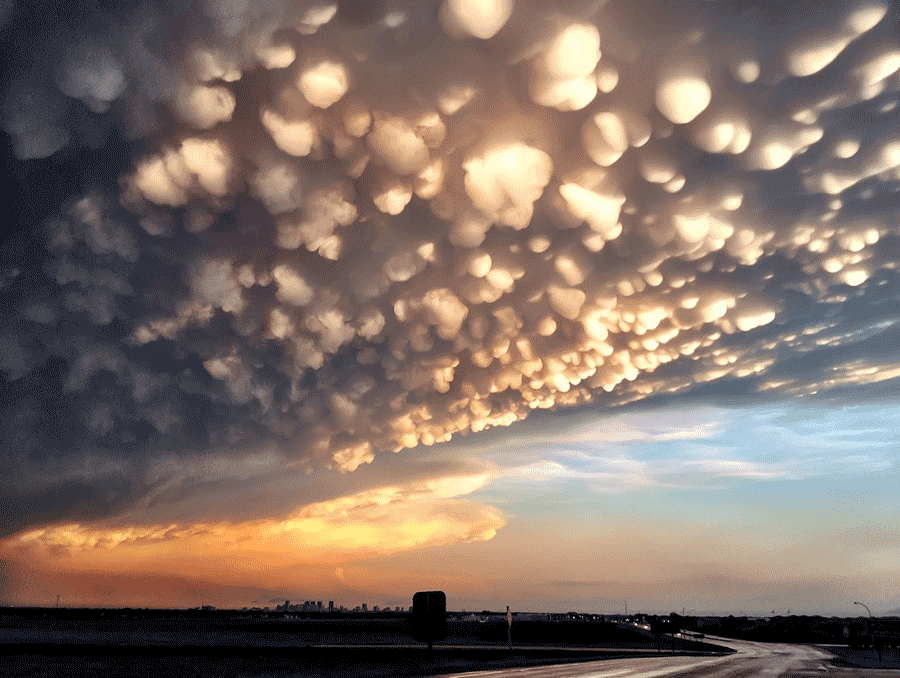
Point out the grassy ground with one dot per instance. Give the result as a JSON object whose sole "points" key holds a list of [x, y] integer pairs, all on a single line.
{"points": [[300, 633], [304, 663], [845, 656], [286, 649]]}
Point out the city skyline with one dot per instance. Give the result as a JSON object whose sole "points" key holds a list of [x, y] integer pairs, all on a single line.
{"points": [[310, 609], [553, 305]]}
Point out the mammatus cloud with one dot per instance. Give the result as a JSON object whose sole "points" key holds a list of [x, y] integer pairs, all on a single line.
{"points": [[348, 232]]}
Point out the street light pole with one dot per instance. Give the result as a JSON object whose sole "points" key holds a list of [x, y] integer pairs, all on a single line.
{"points": [[872, 640]]}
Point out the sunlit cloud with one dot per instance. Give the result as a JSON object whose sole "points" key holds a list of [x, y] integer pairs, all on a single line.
{"points": [[605, 474], [674, 424], [379, 521], [852, 373]]}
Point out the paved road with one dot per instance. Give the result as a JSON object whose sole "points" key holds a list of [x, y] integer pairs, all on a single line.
{"points": [[765, 660]]}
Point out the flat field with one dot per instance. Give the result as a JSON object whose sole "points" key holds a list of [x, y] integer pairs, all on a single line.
{"points": [[298, 648]]}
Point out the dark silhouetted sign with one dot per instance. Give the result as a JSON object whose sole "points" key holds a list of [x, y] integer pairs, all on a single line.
{"points": [[429, 616]]}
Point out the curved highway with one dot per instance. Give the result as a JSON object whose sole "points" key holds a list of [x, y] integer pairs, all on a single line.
{"points": [[767, 660]]}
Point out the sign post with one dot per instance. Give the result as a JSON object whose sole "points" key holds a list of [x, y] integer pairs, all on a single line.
{"points": [[509, 627], [429, 616], [658, 628]]}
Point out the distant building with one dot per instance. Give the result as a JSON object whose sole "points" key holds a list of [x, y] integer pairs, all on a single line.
{"points": [[319, 606], [365, 607], [374, 608], [331, 606]]}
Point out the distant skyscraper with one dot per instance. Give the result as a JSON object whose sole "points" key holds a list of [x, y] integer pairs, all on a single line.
{"points": [[319, 606], [331, 606]]}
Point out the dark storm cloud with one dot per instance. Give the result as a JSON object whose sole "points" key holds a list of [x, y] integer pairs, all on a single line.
{"points": [[262, 236], [8, 574]]}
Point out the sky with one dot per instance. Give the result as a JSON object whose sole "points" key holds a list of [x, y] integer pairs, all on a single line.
{"points": [[561, 305]]}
